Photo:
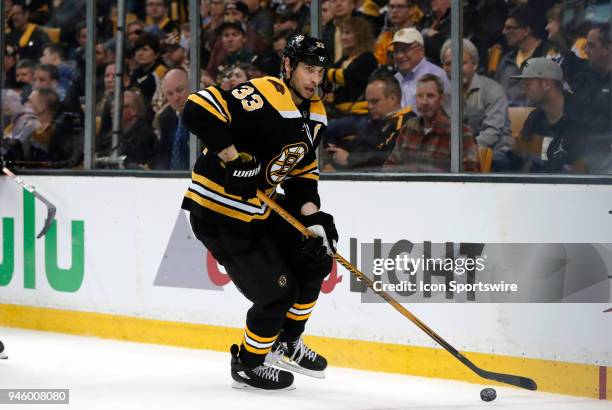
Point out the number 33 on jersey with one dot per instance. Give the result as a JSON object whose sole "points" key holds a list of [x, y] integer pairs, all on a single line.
{"points": [[261, 118]]}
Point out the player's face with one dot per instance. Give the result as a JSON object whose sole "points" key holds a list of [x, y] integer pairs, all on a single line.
{"points": [[306, 79], [428, 99]]}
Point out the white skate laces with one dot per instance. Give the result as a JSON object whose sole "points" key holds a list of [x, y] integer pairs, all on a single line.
{"points": [[275, 355], [267, 372], [300, 350]]}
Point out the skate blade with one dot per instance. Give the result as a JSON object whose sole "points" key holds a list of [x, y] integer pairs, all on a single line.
{"points": [[290, 365], [3, 356], [244, 386]]}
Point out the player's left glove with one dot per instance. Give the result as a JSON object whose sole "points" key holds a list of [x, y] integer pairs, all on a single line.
{"points": [[242, 175], [322, 225]]}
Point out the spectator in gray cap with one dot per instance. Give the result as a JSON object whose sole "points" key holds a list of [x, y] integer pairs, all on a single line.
{"points": [[485, 103], [555, 137]]}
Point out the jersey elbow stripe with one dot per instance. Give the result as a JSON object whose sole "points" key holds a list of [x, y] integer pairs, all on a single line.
{"points": [[213, 186], [224, 209], [199, 100], [220, 199]]}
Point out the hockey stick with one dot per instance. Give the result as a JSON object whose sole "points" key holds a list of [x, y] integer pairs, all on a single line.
{"points": [[50, 207], [518, 381]]}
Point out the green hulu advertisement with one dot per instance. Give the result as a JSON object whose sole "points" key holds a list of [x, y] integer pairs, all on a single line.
{"points": [[61, 279]]}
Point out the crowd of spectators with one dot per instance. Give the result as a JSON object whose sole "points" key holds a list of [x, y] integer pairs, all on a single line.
{"points": [[541, 67]]}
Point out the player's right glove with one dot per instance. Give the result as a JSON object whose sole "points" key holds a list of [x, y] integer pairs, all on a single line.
{"points": [[324, 243], [242, 175]]}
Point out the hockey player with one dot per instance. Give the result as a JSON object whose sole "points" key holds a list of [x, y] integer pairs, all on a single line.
{"points": [[262, 134]]}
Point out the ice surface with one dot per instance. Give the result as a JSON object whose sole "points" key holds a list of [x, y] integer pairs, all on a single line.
{"points": [[110, 374]]}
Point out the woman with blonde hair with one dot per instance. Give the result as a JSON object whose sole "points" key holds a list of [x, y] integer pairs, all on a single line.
{"points": [[349, 75]]}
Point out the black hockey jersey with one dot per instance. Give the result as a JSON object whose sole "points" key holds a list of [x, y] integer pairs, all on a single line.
{"points": [[258, 117]]}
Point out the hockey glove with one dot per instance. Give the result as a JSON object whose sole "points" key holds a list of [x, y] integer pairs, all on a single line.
{"points": [[242, 176], [322, 225]]}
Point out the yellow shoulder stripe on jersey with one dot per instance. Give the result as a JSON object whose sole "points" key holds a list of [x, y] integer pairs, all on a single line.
{"points": [[219, 99], [308, 168], [278, 95], [202, 102]]}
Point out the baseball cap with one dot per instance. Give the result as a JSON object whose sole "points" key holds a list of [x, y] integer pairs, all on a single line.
{"points": [[541, 67], [408, 36], [233, 24], [238, 5]]}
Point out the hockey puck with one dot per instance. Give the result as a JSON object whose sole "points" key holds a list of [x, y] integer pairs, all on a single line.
{"points": [[488, 394]]}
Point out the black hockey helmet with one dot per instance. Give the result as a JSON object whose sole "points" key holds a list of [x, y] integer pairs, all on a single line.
{"points": [[306, 49]]}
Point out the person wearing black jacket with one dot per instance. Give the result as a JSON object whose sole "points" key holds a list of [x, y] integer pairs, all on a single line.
{"points": [[150, 70], [558, 125], [371, 146]]}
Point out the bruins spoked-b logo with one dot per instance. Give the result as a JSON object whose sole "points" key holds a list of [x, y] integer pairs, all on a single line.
{"points": [[280, 166]]}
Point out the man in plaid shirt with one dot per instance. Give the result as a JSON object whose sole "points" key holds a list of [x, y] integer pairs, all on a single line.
{"points": [[423, 143]]}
